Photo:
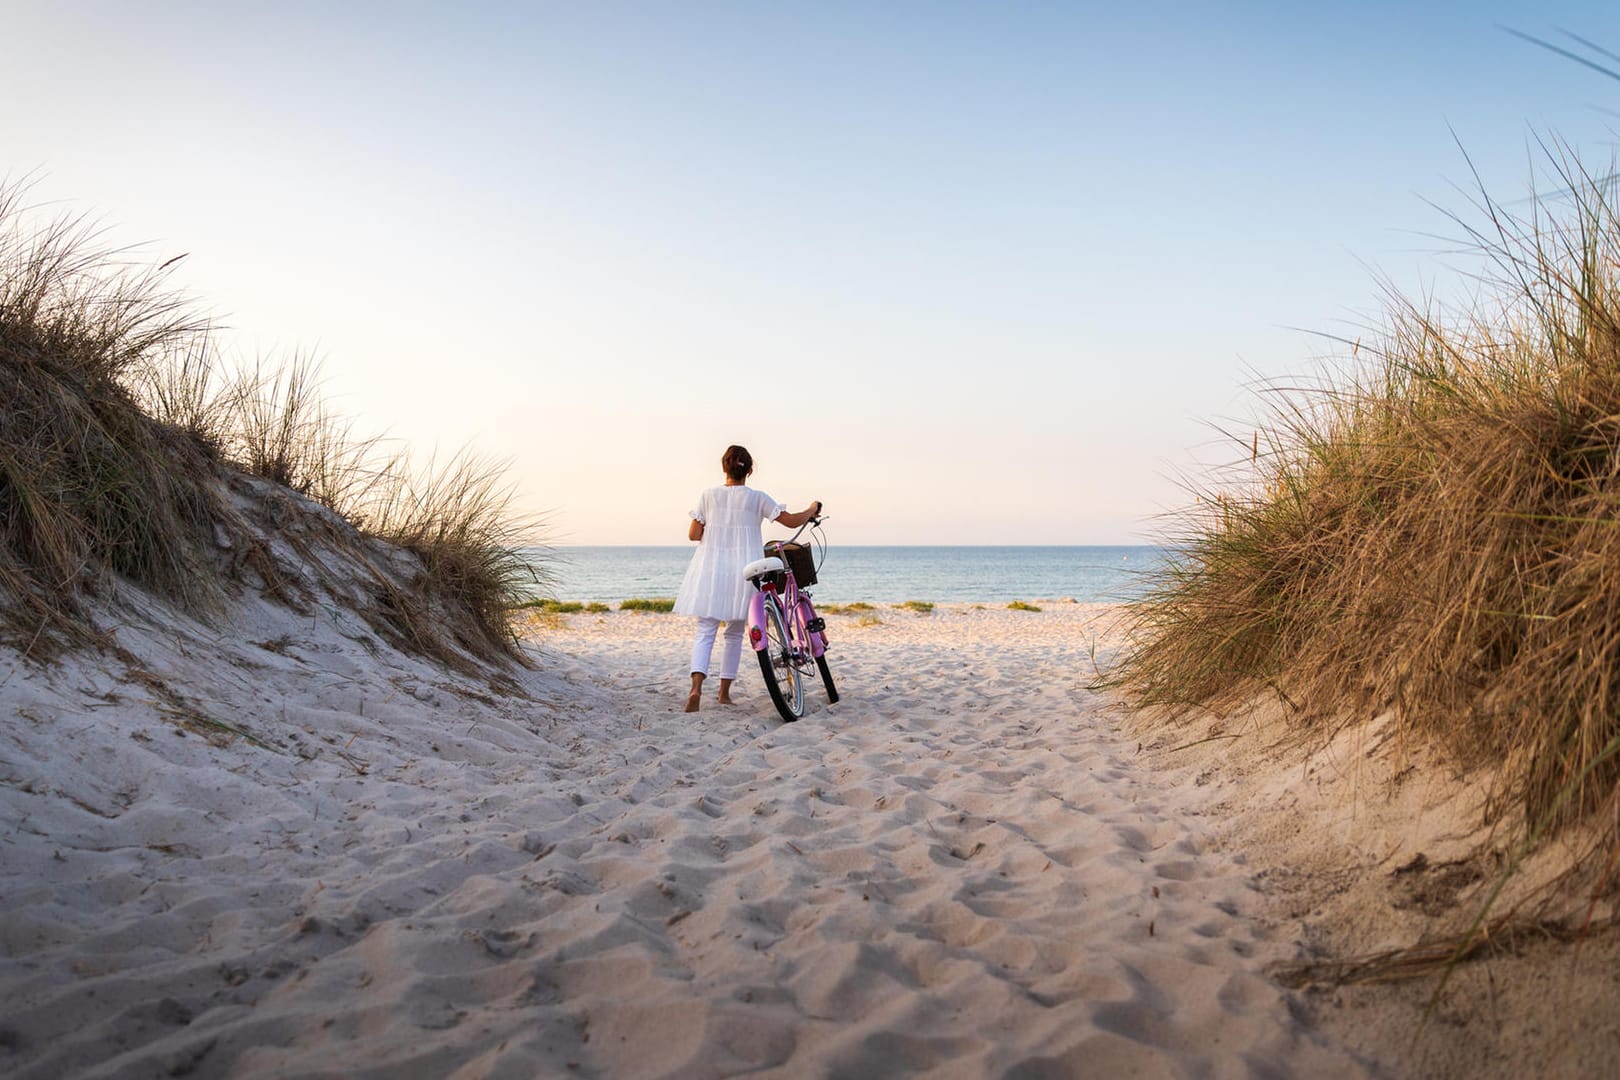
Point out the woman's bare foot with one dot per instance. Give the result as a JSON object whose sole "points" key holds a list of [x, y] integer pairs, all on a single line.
{"points": [[725, 691], [695, 698]]}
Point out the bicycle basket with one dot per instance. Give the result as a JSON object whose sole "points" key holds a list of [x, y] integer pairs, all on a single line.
{"points": [[799, 558]]}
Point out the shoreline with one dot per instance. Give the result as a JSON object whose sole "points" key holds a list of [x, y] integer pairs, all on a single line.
{"points": [[882, 574]]}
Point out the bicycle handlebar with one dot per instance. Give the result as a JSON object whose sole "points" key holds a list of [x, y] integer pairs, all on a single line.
{"points": [[810, 523]]}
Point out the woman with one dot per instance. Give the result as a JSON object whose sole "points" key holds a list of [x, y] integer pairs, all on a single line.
{"points": [[726, 526]]}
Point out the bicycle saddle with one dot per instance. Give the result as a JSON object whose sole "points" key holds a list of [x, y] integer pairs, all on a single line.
{"points": [[768, 565]]}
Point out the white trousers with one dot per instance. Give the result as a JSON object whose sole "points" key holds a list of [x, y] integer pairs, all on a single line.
{"points": [[703, 646]]}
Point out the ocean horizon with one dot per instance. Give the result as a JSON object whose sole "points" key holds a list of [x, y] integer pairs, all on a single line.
{"points": [[611, 574]]}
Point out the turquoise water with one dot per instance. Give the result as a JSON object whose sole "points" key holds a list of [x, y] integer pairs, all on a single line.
{"points": [[880, 574]]}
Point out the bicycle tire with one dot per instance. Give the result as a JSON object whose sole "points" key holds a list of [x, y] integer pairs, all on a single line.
{"points": [[826, 680], [776, 665]]}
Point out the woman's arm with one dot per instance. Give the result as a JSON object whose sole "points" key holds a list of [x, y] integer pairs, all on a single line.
{"points": [[793, 521], [694, 531]]}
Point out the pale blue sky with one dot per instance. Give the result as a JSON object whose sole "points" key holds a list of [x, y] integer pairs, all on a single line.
{"points": [[970, 273]]}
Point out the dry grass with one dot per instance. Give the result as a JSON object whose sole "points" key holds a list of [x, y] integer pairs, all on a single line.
{"points": [[1436, 531], [1506, 935], [119, 419], [89, 487], [457, 519], [659, 604]]}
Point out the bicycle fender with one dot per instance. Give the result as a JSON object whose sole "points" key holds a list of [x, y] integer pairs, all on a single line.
{"points": [[756, 621]]}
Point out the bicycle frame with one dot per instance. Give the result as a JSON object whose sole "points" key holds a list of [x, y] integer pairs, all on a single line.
{"points": [[798, 615]]}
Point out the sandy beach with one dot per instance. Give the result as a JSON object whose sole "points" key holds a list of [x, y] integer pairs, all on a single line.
{"points": [[281, 848]]}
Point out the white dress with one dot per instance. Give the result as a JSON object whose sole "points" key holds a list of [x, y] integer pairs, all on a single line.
{"points": [[714, 587]]}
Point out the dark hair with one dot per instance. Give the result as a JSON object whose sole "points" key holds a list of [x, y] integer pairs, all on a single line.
{"points": [[737, 462]]}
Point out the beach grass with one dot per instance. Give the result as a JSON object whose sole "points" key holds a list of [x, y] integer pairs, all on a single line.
{"points": [[1433, 529], [845, 609], [458, 519], [121, 423], [554, 607], [562, 607], [1019, 605], [657, 604], [920, 607]]}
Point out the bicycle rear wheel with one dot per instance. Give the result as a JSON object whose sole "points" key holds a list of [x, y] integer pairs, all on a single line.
{"points": [[782, 677]]}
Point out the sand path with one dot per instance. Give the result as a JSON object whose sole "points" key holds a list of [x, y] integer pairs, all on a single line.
{"points": [[962, 869]]}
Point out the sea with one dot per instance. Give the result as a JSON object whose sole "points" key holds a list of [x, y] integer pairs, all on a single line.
{"points": [[985, 575]]}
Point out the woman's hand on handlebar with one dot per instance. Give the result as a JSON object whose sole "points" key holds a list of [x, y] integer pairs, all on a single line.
{"points": [[797, 520]]}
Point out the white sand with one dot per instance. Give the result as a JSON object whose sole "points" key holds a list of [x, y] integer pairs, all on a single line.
{"points": [[1366, 842], [962, 869]]}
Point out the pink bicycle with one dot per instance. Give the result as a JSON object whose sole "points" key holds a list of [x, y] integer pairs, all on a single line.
{"points": [[783, 627]]}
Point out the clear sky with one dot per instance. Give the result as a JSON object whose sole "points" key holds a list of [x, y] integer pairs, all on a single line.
{"points": [[968, 272]]}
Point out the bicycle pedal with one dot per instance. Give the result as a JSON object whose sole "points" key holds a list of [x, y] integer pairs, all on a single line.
{"points": [[816, 625]]}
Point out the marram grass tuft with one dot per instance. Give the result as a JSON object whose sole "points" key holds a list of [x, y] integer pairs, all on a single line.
{"points": [[119, 424], [1436, 532]]}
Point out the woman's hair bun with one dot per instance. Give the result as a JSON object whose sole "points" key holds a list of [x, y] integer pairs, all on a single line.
{"points": [[737, 462]]}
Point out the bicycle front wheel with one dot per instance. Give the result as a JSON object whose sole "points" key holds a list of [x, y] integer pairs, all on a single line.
{"points": [[776, 663]]}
